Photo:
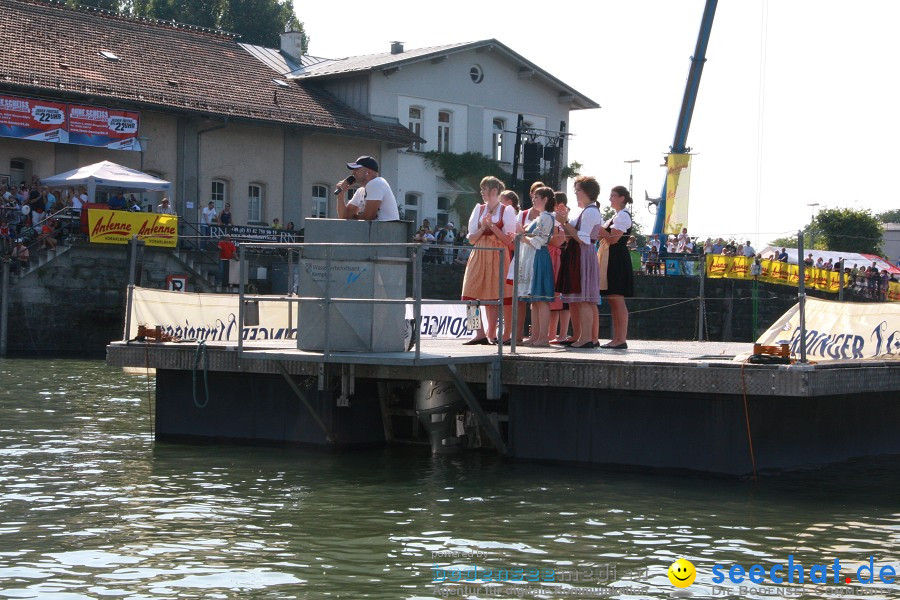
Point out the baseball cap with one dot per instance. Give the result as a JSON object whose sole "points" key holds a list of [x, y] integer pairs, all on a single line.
{"points": [[364, 161]]}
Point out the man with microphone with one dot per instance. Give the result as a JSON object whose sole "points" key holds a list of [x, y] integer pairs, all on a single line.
{"points": [[373, 201]]}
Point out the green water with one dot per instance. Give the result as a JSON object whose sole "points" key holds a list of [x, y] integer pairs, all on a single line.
{"points": [[91, 507]]}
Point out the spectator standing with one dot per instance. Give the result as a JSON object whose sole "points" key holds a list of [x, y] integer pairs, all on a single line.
{"points": [[808, 261], [782, 256], [682, 241], [207, 217], [227, 250], [225, 217], [748, 250], [276, 224], [617, 278], [165, 208], [717, 246]]}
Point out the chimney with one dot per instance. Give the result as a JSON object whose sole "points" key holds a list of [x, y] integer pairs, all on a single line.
{"points": [[396, 47], [292, 43]]}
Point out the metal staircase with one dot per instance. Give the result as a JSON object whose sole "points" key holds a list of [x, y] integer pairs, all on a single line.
{"points": [[199, 269]]}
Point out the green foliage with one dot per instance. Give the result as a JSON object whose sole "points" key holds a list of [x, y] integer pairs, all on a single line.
{"points": [[848, 230], [467, 169], [889, 216], [256, 21], [573, 170], [787, 242]]}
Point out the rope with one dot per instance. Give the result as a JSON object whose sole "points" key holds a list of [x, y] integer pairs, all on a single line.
{"points": [[747, 420], [634, 312], [201, 350]]}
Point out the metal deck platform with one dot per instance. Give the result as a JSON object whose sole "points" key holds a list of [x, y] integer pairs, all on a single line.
{"points": [[665, 366]]}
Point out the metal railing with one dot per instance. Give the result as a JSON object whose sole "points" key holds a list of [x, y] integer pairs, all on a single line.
{"points": [[417, 253]]}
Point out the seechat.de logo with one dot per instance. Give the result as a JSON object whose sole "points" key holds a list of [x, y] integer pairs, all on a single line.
{"points": [[682, 573]]}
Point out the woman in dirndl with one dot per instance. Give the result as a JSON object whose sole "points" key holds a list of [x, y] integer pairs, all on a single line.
{"points": [[614, 260], [559, 311], [536, 268], [579, 282], [490, 225]]}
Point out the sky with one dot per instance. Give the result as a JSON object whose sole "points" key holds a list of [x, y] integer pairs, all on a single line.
{"points": [[797, 105]]}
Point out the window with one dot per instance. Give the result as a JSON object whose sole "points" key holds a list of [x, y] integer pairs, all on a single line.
{"points": [[443, 211], [19, 171], [415, 125], [476, 73], [411, 208], [497, 142], [254, 203], [319, 201], [443, 144], [219, 193]]}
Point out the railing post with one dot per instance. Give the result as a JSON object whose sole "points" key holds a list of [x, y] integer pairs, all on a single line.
{"points": [[4, 307], [241, 291], [801, 295], [701, 305], [501, 281], [514, 326], [417, 300], [132, 264]]}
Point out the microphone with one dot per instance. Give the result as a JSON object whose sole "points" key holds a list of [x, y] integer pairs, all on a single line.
{"points": [[349, 181]]}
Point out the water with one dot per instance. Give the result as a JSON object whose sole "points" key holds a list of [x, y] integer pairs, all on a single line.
{"points": [[91, 507]]}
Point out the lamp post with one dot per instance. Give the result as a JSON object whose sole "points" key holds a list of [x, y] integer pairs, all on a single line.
{"points": [[631, 164], [812, 230]]}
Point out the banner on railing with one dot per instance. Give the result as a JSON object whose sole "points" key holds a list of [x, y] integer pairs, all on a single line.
{"points": [[119, 226], [214, 317], [738, 267], [678, 185], [840, 330]]}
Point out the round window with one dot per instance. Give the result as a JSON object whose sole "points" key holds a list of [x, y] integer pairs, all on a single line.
{"points": [[476, 73]]}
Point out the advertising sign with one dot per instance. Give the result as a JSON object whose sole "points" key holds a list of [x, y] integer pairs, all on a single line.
{"points": [[96, 126], [119, 226], [31, 119]]}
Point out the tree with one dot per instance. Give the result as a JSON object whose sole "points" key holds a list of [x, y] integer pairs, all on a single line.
{"points": [[848, 230], [256, 21], [889, 216]]}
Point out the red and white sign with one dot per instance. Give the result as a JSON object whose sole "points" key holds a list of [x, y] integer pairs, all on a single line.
{"points": [[31, 119], [97, 126]]}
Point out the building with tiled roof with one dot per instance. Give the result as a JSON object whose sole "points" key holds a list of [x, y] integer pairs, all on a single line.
{"points": [[214, 119]]}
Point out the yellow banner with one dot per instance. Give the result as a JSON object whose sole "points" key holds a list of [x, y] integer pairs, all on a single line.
{"points": [[840, 330], [678, 185], [119, 226], [738, 267], [893, 292]]}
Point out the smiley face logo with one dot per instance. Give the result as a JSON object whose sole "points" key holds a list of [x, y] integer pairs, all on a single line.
{"points": [[682, 573]]}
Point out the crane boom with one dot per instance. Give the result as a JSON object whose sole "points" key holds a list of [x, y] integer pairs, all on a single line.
{"points": [[679, 145]]}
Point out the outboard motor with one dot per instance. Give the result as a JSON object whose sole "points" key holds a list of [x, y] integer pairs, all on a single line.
{"points": [[437, 403]]}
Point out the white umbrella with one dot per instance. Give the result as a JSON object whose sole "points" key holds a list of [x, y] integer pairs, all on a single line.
{"points": [[109, 174]]}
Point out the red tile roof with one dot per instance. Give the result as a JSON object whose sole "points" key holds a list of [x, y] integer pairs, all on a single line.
{"points": [[54, 51]]}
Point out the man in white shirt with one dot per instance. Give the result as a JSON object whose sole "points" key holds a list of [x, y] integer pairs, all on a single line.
{"points": [[374, 200], [748, 250], [683, 239], [165, 208]]}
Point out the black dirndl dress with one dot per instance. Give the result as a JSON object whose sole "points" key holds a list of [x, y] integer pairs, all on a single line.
{"points": [[619, 274]]}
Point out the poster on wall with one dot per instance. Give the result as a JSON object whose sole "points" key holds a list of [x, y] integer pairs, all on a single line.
{"points": [[103, 127], [31, 119]]}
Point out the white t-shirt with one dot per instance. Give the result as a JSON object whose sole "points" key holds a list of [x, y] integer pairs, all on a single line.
{"points": [[358, 200], [378, 189], [208, 216], [749, 251]]}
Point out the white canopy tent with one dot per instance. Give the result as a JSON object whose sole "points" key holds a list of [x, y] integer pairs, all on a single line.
{"points": [[109, 174]]}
